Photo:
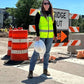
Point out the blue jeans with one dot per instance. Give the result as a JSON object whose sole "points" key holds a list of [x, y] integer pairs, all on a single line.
{"points": [[48, 44]]}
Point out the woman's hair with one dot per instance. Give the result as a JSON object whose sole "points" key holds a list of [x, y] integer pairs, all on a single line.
{"points": [[50, 9]]}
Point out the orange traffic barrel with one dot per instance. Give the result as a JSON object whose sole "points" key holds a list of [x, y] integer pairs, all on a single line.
{"points": [[19, 50], [9, 42], [15, 28], [20, 28], [10, 28]]}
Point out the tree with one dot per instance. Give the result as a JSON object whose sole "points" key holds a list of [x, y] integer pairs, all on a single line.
{"points": [[7, 22], [21, 12], [79, 23], [12, 12]]}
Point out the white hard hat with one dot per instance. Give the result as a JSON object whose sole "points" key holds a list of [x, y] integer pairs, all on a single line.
{"points": [[39, 46]]}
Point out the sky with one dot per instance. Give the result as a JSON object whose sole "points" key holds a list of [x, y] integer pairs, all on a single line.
{"points": [[74, 6]]}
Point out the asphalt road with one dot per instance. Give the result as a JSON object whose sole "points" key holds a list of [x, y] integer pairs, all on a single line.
{"points": [[66, 69]]}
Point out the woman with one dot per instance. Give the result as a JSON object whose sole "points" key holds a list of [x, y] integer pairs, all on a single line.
{"points": [[45, 29]]}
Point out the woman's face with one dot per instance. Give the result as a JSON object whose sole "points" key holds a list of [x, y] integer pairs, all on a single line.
{"points": [[46, 5]]}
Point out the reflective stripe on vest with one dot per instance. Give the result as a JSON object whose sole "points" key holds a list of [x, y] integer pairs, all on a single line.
{"points": [[46, 26], [46, 30]]}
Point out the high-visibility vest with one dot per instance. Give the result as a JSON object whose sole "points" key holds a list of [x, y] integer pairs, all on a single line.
{"points": [[46, 26]]}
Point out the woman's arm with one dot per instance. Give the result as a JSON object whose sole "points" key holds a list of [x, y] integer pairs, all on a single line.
{"points": [[54, 28], [37, 18]]}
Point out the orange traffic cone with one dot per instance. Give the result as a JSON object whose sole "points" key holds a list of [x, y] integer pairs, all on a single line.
{"points": [[50, 58], [80, 54]]}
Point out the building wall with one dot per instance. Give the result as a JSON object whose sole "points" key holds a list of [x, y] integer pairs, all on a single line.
{"points": [[1, 18]]}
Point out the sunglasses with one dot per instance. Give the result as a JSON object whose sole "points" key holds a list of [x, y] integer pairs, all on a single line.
{"points": [[46, 3]]}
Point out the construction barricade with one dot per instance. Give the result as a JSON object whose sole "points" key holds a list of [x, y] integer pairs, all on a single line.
{"points": [[70, 42]]}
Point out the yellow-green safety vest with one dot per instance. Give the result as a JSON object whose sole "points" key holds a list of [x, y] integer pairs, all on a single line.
{"points": [[46, 26]]}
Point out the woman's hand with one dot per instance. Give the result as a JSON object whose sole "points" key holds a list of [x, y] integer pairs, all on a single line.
{"points": [[37, 38], [55, 38]]}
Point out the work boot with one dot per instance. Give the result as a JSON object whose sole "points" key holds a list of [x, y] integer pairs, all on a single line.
{"points": [[30, 74], [45, 71]]}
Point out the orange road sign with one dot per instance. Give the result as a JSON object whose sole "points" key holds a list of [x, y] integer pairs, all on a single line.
{"points": [[63, 36]]}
